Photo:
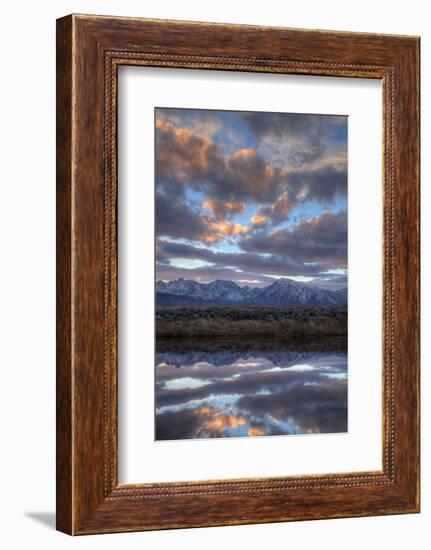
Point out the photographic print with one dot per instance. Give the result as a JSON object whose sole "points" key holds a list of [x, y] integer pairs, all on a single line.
{"points": [[251, 274]]}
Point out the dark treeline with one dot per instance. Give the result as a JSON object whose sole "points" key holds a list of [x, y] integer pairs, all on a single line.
{"points": [[251, 321]]}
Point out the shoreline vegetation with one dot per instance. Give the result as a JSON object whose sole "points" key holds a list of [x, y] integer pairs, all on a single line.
{"points": [[279, 323]]}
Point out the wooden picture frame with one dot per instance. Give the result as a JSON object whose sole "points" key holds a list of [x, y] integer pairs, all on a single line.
{"points": [[89, 52]]}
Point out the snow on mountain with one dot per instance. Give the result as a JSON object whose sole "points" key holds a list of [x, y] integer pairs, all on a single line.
{"points": [[288, 292], [283, 292], [342, 293], [217, 290]]}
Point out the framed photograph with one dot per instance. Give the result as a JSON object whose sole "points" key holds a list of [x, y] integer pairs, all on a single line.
{"points": [[237, 274]]}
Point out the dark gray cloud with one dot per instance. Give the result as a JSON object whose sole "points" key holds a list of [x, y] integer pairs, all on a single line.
{"points": [[274, 263], [321, 239], [310, 248], [173, 425], [330, 280], [321, 408], [185, 159], [176, 218], [201, 122], [295, 126], [274, 382], [321, 185], [301, 139], [207, 274], [245, 196]]}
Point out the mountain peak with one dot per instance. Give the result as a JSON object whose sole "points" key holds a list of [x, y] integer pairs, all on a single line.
{"points": [[283, 281]]}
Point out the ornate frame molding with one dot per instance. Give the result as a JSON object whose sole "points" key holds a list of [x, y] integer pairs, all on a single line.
{"points": [[90, 49]]}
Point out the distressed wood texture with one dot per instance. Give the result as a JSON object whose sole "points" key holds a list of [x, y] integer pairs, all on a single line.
{"points": [[89, 50]]}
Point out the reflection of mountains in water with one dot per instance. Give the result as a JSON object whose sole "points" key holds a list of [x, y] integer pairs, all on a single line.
{"points": [[226, 358], [235, 344]]}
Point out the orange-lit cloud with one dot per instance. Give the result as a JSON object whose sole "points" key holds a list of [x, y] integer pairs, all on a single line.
{"points": [[222, 422], [259, 219], [282, 205], [184, 157], [316, 220], [210, 238], [224, 191], [220, 229], [253, 431], [322, 238], [181, 151], [216, 423], [251, 170], [276, 212], [221, 209], [226, 228], [313, 430], [244, 153]]}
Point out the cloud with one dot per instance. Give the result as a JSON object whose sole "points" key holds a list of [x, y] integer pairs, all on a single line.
{"points": [[200, 122], [184, 158], [259, 219], [255, 430], [220, 229], [296, 126], [180, 154], [209, 193], [177, 218], [281, 205], [222, 209], [268, 381], [168, 272], [320, 408], [321, 185], [250, 264], [203, 421], [320, 239], [278, 211], [176, 426], [315, 248], [297, 139], [329, 280], [214, 424]]}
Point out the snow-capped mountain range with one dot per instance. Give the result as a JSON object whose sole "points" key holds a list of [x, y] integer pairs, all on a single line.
{"points": [[283, 292]]}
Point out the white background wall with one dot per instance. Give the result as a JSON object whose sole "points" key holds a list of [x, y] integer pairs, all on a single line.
{"points": [[27, 246]]}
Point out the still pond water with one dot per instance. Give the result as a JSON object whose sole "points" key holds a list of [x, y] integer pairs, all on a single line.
{"points": [[207, 394]]}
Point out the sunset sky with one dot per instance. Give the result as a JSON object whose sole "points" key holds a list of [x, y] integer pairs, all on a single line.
{"points": [[251, 197]]}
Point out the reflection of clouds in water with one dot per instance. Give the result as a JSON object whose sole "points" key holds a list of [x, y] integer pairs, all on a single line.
{"points": [[294, 368], [246, 364], [302, 368], [253, 395], [336, 375], [319, 408], [185, 382], [214, 424], [200, 422]]}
